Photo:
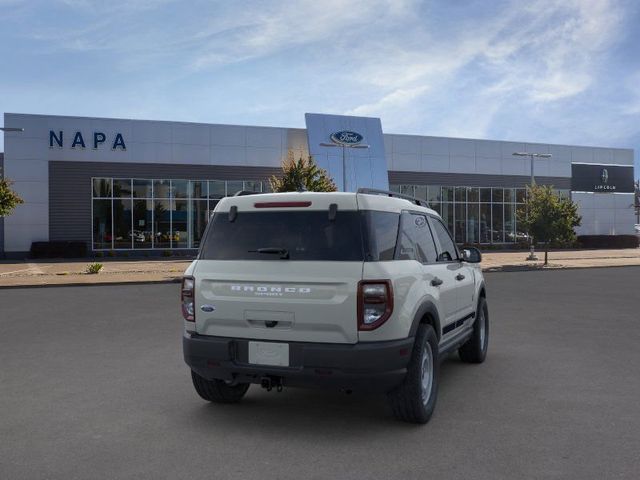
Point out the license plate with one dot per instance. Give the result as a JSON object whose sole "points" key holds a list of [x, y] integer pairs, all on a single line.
{"points": [[269, 353]]}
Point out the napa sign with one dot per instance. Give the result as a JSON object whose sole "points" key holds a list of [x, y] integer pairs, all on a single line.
{"points": [[97, 139]]}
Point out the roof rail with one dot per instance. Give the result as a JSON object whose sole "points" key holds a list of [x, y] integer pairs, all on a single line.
{"points": [[242, 193], [373, 191]]}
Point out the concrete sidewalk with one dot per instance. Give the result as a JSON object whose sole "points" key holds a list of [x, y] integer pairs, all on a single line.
{"points": [[72, 272], [512, 261]]}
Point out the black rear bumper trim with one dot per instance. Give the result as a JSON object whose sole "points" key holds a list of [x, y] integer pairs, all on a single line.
{"points": [[363, 366]]}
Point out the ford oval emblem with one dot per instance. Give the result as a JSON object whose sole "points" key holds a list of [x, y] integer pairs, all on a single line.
{"points": [[207, 308], [346, 137], [420, 221]]}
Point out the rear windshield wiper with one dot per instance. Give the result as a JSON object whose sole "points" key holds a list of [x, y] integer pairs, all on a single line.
{"points": [[283, 252]]}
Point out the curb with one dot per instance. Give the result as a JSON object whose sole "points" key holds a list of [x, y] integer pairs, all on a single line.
{"points": [[525, 268]]}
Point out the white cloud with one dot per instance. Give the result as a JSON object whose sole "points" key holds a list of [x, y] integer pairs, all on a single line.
{"points": [[547, 52], [422, 69], [396, 99], [254, 33], [554, 55]]}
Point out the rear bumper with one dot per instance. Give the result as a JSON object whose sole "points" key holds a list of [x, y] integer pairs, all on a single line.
{"points": [[373, 366]]}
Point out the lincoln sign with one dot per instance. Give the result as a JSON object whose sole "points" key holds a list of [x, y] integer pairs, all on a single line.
{"points": [[603, 178]]}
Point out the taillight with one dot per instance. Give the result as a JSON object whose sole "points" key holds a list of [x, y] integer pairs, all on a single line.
{"points": [[187, 295], [375, 303]]}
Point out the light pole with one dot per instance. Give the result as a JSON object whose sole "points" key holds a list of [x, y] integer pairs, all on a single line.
{"points": [[344, 162], [532, 253]]}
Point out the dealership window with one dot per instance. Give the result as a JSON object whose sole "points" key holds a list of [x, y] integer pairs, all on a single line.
{"points": [[161, 224], [475, 214], [142, 231], [122, 231], [102, 224], [101, 187], [139, 213], [233, 187]]}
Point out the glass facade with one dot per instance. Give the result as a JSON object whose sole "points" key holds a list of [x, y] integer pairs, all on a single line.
{"points": [[475, 215], [137, 214]]}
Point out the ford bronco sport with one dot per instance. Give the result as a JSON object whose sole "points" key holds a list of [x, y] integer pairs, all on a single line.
{"points": [[353, 291]]}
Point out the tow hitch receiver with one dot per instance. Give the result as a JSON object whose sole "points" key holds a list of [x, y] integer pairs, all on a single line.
{"points": [[268, 383]]}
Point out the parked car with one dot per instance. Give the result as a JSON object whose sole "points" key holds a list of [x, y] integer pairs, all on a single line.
{"points": [[137, 236], [517, 237], [356, 291]]}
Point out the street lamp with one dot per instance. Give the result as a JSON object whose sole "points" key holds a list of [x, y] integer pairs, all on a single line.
{"points": [[344, 164], [531, 156], [532, 253]]}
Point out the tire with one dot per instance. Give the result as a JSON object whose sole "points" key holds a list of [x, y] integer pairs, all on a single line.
{"points": [[218, 391], [414, 400], [475, 349]]}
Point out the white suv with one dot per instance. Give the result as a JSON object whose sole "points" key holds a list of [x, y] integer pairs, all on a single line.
{"points": [[353, 291]]}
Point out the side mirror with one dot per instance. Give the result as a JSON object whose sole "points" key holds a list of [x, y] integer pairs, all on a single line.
{"points": [[471, 255]]}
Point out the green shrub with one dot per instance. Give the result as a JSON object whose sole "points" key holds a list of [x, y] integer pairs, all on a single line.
{"points": [[166, 253], [8, 198], [94, 268]]}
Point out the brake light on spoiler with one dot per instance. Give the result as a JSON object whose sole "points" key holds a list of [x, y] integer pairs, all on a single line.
{"points": [[281, 204]]}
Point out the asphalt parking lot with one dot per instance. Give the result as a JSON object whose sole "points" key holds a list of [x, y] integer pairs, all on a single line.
{"points": [[92, 385]]}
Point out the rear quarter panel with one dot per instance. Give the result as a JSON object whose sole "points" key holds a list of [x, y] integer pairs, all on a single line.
{"points": [[410, 292]]}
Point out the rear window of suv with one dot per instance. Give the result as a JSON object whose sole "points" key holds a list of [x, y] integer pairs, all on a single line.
{"points": [[308, 235]]}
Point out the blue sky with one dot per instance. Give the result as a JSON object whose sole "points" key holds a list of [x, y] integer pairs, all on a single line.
{"points": [[551, 71]]}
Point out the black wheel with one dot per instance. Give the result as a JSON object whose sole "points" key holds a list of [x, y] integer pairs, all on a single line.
{"points": [[218, 391], [475, 349], [415, 399]]}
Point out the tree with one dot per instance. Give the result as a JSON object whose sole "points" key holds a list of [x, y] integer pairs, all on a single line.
{"points": [[300, 175], [548, 217], [8, 198]]}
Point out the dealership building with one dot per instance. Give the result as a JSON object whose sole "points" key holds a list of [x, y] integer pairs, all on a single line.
{"points": [[132, 185]]}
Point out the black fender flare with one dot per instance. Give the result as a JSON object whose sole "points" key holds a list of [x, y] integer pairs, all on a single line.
{"points": [[482, 291], [428, 307]]}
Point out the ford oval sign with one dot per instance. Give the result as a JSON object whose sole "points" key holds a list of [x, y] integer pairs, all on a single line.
{"points": [[346, 137]]}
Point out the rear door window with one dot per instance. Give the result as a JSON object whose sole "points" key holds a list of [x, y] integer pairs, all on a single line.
{"points": [[415, 240], [308, 235], [381, 232], [448, 250]]}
